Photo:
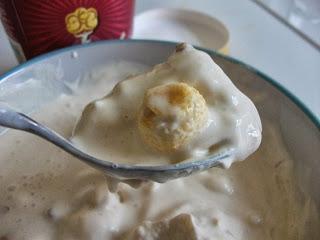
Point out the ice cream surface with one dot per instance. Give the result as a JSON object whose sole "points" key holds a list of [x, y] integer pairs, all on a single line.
{"points": [[47, 194], [183, 109]]}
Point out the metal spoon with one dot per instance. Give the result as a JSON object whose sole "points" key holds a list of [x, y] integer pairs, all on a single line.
{"points": [[12, 119]]}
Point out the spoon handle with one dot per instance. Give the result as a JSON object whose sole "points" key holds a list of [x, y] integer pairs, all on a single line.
{"points": [[11, 119]]}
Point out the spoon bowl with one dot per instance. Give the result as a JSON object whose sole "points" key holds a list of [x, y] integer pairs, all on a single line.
{"points": [[15, 120]]}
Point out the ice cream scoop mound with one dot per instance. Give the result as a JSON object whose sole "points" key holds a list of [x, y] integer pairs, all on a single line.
{"points": [[180, 110]]}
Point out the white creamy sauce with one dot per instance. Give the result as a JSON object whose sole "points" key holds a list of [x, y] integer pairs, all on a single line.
{"points": [[47, 194], [108, 128]]}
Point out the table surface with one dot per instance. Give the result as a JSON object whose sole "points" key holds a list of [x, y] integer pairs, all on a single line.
{"points": [[256, 37]]}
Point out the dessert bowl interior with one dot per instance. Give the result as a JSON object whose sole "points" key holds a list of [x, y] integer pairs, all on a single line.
{"points": [[58, 70]]}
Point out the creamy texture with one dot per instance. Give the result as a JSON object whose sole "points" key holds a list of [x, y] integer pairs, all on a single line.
{"points": [[47, 194], [108, 128]]}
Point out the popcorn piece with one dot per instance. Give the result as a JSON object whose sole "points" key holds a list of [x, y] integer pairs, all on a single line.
{"points": [[81, 20], [81, 23], [171, 114]]}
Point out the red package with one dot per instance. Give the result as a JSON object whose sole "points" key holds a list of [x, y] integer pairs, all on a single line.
{"points": [[39, 26]]}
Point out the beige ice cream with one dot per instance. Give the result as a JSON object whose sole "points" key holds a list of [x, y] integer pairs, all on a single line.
{"points": [[47, 194], [183, 109]]}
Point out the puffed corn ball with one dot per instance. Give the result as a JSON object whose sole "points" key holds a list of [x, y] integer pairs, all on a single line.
{"points": [[170, 115]]}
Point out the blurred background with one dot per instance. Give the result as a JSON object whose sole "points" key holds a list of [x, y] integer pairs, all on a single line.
{"points": [[279, 37], [304, 15]]}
